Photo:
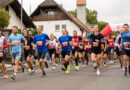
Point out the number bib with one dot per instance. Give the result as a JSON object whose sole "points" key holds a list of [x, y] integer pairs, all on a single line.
{"points": [[27, 48], [125, 44], [39, 43], [95, 44], [51, 46], [1, 54], [16, 43], [65, 44], [75, 44]]}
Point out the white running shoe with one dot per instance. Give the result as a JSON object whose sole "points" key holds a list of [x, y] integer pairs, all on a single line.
{"points": [[98, 72], [105, 65]]}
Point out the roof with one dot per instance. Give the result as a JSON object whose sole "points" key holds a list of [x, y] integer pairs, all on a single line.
{"points": [[50, 3], [81, 2], [16, 6]]}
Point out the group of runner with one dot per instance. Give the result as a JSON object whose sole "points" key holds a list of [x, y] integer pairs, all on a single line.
{"points": [[67, 49]]}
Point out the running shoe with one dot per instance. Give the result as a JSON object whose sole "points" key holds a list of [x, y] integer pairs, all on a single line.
{"points": [[56, 66], [83, 66], [125, 73], [5, 76], [63, 68], [32, 72], [43, 74], [105, 65], [98, 71], [36, 62], [68, 69], [13, 77], [72, 63], [29, 70], [95, 68], [77, 68]]}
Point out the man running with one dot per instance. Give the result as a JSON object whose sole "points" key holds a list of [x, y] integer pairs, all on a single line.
{"points": [[125, 36], [52, 51], [15, 42], [3, 45], [75, 47], [118, 51], [64, 42], [41, 40], [96, 48], [111, 48], [28, 51]]}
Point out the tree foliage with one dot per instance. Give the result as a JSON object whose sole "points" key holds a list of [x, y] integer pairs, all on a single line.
{"points": [[4, 18], [92, 18]]}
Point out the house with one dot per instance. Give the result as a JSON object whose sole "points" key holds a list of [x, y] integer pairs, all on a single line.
{"points": [[54, 17], [14, 9]]}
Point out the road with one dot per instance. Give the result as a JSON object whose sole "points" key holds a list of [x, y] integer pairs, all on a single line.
{"points": [[85, 79]]}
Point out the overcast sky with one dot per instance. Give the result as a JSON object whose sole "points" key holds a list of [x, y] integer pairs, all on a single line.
{"points": [[112, 11]]}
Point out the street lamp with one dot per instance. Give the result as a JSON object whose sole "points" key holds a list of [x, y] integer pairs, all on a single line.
{"points": [[21, 14]]}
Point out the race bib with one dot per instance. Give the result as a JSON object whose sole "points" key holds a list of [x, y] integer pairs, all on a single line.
{"points": [[110, 44], [27, 48], [75, 43], [1, 54], [39, 43], [95, 44], [51, 46], [16, 42], [65, 44], [126, 45]]}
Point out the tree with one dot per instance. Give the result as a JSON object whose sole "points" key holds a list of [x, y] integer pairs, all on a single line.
{"points": [[4, 18], [91, 15], [102, 25], [92, 18]]}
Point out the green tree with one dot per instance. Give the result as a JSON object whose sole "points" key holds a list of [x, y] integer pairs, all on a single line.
{"points": [[4, 18], [102, 25], [91, 15], [92, 18]]}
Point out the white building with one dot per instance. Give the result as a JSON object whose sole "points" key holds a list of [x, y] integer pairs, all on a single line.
{"points": [[54, 17], [14, 9]]}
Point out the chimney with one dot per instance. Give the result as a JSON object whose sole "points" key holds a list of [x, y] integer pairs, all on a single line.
{"points": [[81, 11]]}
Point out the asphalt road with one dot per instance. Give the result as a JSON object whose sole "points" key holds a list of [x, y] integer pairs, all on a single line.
{"points": [[111, 78]]}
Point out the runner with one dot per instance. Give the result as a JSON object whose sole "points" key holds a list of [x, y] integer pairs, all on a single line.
{"points": [[15, 42], [41, 40], [125, 35], [52, 51], [28, 52], [3, 45], [75, 48], [111, 48], [96, 49], [117, 42], [86, 50], [64, 42]]}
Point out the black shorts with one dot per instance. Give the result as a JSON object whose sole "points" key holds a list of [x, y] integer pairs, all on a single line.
{"points": [[126, 52], [2, 58], [118, 52], [41, 55], [52, 51], [28, 53], [64, 53], [96, 51], [57, 55], [76, 49]]}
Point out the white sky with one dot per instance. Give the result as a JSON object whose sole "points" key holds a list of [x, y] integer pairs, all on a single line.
{"points": [[112, 11]]}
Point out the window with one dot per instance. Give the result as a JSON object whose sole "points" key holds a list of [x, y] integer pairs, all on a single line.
{"points": [[57, 28], [51, 13], [64, 26]]}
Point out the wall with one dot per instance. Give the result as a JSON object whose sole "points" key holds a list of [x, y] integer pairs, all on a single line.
{"points": [[81, 13], [14, 19], [49, 26]]}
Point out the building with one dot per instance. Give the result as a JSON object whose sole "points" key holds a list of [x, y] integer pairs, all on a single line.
{"points": [[14, 9], [54, 17]]}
